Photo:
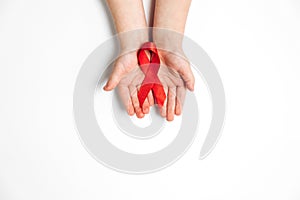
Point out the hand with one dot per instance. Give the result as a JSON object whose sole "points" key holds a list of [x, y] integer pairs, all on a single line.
{"points": [[128, 76], [176, 75]]}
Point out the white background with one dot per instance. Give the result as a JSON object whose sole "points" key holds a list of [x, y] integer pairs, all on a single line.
{"points": [[255, 45]]}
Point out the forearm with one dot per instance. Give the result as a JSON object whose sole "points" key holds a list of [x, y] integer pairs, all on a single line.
{"points": [[171, 14], [128, 15], [169, 24]]}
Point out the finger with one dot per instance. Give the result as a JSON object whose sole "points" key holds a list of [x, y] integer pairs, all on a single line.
{"points": [[146, 106], [126, 99], [188, 76], [150, 98], [171, 103], [115, 76], [135, 102], [180, 97], [163, 109]]}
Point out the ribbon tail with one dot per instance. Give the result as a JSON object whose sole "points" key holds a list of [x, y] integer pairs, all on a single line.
{"points": [[143, 93], [159, 94]]}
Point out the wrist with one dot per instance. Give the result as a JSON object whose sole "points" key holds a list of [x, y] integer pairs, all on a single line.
{"points": [[168, 40], [133, 39]]}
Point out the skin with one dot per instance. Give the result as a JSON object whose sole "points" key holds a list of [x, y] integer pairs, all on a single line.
{"points": [[175, 72]]}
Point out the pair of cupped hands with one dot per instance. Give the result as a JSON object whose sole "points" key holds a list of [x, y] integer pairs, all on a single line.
{"points": [[175, 75]]}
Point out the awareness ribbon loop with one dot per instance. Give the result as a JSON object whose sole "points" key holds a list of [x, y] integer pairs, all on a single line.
{"points": [[150, 68]]}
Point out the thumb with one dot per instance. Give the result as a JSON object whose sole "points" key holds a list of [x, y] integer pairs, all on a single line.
{"points": [[188, 76], [115, 77]]}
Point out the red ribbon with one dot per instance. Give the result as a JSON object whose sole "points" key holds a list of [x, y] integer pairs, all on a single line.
{"points": [[150, 68]]}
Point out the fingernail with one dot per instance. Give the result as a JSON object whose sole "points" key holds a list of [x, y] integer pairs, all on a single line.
{"points": [[191, 88], [130, 111], [140, 116]]}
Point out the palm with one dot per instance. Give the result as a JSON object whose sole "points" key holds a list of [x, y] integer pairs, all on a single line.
{"points": [[173, 83], [130, 78]]}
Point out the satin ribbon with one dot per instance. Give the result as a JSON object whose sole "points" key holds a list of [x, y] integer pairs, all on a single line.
{"points": [[150, 68]]}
